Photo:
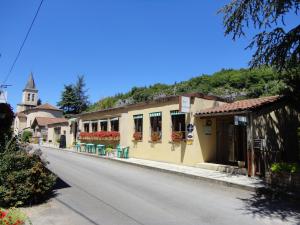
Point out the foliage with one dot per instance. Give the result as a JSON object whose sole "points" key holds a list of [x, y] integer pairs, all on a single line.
{"points": [[138, 136], [73, 98], [13, 216], [6, 119], [275, 46], [39, 101], [227, 83], [285, 167], [24, 178], [26, 136]]}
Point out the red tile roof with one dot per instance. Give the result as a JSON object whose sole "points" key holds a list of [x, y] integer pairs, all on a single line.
{"points": [[44, 121], [47, 106], [238, 106]]}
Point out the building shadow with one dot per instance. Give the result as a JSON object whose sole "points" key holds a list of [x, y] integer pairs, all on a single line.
{"points": [[280, 204]]}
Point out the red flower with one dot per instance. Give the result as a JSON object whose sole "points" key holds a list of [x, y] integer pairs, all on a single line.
{"points": [[2, 214]]}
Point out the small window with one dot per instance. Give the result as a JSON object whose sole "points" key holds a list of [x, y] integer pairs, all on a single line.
{"points": [[28, 97], [114, 124], [155, 123], [94, 126], [178, 125], [86, 127], [32, 97], [103, 125], [138, 127]]}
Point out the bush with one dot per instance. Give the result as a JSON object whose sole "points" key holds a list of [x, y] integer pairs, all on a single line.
{"points": [[24, 179], [26, 136], [13, 216], [285, 167]]}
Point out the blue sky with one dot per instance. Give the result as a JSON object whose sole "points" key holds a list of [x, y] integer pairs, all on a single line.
{"points": [[116, 44]]}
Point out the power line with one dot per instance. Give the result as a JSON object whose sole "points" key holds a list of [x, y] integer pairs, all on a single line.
{"points": [[23, 43]]}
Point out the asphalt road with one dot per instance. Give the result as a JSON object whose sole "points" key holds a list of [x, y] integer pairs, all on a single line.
{"points": [[104, 192]]}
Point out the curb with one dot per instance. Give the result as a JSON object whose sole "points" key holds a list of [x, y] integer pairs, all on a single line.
{"points": [[210, 180]]}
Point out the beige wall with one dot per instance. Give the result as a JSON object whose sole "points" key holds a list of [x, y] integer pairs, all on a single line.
{"points": [[30, 101], [19, 124], [42, 113], [202, 149], [64, 128]]}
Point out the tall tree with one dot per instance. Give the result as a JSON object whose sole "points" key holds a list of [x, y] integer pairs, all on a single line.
{"points": [[275, 45], [68, 100], [82, 99]]}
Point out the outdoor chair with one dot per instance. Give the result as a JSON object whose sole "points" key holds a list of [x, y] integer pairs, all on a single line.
{"points": [[101, 149], [126, 152], [119, 151]]}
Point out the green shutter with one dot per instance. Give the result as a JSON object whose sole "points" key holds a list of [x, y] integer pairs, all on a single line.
{"points": [[140, 116], [176, 112], [154, 114]]}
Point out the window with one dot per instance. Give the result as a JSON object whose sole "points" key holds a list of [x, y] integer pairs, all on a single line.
{"points": [[138, 127], [178, 125], [94, 126], [28, 97], [155, 123], [103, 125], [32, 97], [114, 124], [86, 127]]}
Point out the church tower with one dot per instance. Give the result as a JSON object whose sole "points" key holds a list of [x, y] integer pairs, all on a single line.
{"points": [[30, 95]]}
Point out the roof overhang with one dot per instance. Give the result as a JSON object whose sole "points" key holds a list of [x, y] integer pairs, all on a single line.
{"points": [[210, 115]]}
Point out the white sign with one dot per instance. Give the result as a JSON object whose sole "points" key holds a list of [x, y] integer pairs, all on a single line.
{"points": [[240, 120], [3, 96], [185, 104]]}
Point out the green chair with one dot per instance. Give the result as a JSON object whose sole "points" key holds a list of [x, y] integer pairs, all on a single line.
{"points": [[119, 151], [84, 147], [126, 152], [101, 149], [78, 147], [91, 148]]}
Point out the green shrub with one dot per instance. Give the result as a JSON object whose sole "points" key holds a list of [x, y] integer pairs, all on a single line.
{"points": [[26, 136], [24, 179], [285, 167]]}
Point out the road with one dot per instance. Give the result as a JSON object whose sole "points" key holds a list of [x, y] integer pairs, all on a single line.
{"points": [[100, 191]]}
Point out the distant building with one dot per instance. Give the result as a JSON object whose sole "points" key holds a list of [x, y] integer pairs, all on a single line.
{"points": [[28, 110]]}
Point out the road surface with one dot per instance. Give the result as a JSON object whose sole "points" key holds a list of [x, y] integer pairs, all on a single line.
{"points": [[100, 191]]}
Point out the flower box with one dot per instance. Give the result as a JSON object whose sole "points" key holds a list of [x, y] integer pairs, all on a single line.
{"points": [[100, 135], [177, 136], [155, 136], [138, 136]]}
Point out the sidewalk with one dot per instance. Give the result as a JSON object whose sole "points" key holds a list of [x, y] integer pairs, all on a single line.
{"points": [[226, 179]]}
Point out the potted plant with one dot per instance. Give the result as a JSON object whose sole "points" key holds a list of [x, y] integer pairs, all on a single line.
{"points": [[284, 174], [177, 136], [155, 136], [137, 136]]}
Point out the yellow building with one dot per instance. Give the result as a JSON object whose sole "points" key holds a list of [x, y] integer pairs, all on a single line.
{"points": [[199, 130]]}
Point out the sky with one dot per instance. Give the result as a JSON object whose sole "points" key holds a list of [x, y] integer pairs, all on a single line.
{"points": [[116, 44]]}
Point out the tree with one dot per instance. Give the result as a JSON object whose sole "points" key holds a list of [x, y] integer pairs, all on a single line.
{"points": [[275, 45], [68, 100], [82, 99], [39, 101], [73, 98]]}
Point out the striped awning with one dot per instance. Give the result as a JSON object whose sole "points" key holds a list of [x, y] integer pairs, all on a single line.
{"points": [[176, 112], [154, 114], [140, 116]]}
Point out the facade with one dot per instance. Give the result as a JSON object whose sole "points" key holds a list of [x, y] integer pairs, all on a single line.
{"points": [[213, 134]]}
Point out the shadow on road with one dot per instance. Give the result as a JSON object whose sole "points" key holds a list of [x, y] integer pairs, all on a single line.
{"points": [[60, 184], [274, 203]]}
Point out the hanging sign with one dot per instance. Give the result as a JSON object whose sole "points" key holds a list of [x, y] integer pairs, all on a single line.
{"points": [[184, 104], [240, 120]]}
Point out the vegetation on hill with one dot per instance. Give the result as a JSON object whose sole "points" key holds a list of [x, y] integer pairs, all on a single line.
{"points": [[227, 83]]}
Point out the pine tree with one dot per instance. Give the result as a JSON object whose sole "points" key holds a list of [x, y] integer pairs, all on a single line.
{"points": [[68, 100], [82, 99]]}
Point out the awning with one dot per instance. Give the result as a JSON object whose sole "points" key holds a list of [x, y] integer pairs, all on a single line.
{"points": [[176, 112], [140, 116], [154, 114], [100, 121], [114, 119]]}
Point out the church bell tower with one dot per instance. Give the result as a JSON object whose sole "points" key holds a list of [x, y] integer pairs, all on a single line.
{"points": [[30, 95]]}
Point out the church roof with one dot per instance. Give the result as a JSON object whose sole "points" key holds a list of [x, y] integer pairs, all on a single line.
{"points": [[47, 106], [30, 83], [44, 121]]}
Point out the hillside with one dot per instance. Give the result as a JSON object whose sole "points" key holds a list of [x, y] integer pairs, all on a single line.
{"points": [[227, 83]]}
